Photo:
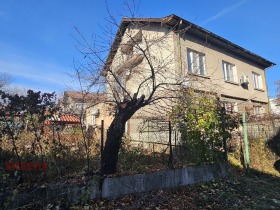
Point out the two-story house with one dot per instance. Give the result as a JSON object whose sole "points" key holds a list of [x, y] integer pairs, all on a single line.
{"points": [[181, 52]]}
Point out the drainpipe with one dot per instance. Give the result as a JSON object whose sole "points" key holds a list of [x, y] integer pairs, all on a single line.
{"points": [[179, 50]]}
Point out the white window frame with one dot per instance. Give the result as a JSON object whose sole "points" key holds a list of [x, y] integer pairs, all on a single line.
{"points": [[196, 62], [230, 107], [230, 73], [93, 119], [257, 110], [257, 79]]}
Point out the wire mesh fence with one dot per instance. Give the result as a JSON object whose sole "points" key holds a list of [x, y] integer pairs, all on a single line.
{"points": [[65, 149], [161, 139], [152, 134], [146, 140], [262, 128]]}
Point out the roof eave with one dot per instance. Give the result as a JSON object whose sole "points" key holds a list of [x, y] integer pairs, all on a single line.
{"points": [[222, 41], [174, 20]]}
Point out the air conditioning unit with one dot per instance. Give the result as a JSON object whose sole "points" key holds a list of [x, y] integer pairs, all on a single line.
{"points": [[244, 79]]}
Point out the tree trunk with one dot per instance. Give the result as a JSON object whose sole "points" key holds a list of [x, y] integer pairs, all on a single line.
{"points": [[115, 133], [112, 146]]}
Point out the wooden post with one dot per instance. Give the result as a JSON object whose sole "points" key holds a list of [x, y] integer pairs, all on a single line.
{"points": [[102, 143], [224, 136], [170, 162]]}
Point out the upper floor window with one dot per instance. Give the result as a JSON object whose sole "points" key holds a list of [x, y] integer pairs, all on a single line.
{"points": [[196, 62], [257, 81], [229, 70]]}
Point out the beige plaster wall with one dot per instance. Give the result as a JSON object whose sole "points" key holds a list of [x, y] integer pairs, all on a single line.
{"points": [[214, 57]]}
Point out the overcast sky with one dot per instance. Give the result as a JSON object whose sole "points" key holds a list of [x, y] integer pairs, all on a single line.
{"points": [[37, 44]]}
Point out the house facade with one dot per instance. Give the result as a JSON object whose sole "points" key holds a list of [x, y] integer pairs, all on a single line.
{"points": [[181, 52], [95, 113]]}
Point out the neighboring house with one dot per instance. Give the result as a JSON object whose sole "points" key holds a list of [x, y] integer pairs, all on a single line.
{"points": [[97, 112], [200, 58], [74, 102], [85, 105]]}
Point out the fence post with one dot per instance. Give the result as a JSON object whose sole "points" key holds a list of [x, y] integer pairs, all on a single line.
{"points": [[102, 143], [224, 136], [175, 137], [247, 161], [170, 162]]}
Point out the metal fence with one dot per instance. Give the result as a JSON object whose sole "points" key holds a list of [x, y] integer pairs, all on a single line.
{"points": [[152, 134], [262, 127], [159, 137], [148, 136]]}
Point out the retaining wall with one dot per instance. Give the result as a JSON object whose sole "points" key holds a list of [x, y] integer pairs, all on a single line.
{"points": [[117, 186]]}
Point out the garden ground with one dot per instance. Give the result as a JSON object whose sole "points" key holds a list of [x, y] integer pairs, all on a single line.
{"points": [[238, 191]]}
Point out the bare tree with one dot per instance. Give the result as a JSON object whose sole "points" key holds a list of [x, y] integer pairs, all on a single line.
{"points": [[140, 71], [5, 79]]}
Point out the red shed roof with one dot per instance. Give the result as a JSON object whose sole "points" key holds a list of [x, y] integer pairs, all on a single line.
{"points": [[64, 118]]}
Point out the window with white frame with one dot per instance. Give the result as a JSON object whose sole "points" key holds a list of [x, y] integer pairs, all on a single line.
{"points": [[229, 106], [93, 119], [257, 110], [196, 62], [229, 70], [257, 81], [94, 115]]}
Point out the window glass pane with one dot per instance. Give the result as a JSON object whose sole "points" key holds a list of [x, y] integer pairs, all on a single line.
{"points": [[225, 71], [260, 82], [196, 62], [229, 72], [254, 79], [257, 81], [201, 65], [189, 61]]}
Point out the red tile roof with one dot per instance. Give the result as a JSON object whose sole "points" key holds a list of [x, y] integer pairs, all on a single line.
{"points": [[64, 118]]}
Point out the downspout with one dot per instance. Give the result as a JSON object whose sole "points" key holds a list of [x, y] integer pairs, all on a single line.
{"points": [[179, 51]]}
